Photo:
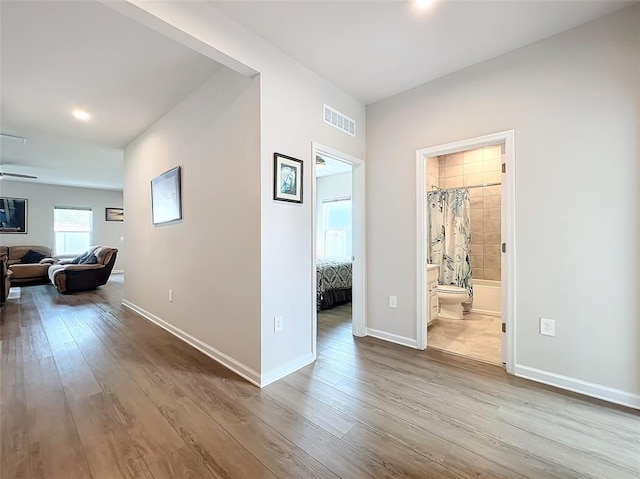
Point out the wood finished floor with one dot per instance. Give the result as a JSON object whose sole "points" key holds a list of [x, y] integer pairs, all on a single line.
{"points": [[89, 389]]}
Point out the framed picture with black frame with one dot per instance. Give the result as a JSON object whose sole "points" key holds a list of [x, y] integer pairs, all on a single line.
{"points": [[113, 214], [287, 178], [13, 215], [166, 200]]}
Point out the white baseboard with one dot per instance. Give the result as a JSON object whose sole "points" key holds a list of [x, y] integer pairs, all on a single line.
{"points": [[283, 371], [606, 393], [486, 312], [227, 361], [393, 338]]}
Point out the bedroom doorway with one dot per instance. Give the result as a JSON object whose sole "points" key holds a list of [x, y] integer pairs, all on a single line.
{"points": [[338, 247]]}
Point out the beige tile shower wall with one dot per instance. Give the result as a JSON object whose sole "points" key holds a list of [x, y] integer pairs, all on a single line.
{"points": [[478, 167], [433, 172]]}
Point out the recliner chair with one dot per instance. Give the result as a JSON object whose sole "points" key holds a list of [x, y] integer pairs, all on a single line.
{"points": [[71, 278]]}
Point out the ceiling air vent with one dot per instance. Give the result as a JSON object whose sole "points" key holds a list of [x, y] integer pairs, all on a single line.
{"points": [[336, 119]]}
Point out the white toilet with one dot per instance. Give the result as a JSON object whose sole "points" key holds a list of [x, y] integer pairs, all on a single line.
{"points": [[450, 299]]}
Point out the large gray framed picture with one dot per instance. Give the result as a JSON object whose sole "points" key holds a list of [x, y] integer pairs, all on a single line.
{"points": [[13, 215], [287, 178], [166, 203]]}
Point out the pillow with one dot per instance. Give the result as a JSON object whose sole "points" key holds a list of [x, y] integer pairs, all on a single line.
{"points": [[79, 259], [32, 257], [91, 259]]}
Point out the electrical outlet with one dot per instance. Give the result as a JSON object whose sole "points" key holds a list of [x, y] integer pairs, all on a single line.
{"points": [[393, 302], [547, 327], [171, 296], [278, 324]]}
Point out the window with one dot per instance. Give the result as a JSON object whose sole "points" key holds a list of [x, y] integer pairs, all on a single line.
{"points": [[336, 219], [73, 228]]}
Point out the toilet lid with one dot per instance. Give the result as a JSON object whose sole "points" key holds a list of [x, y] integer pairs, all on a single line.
{"points": [[448, 288]]}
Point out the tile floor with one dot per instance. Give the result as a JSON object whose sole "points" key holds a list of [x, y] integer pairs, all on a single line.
{"points": [[476, 336]]}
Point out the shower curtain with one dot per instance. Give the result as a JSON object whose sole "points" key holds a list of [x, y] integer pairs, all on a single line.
{"points": [[449, 237]]}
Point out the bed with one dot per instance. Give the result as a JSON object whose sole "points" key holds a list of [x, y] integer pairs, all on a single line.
{"points": [[334, 283]]}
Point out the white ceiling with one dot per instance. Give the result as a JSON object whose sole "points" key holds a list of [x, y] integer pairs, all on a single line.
{"points": [[375, 49], [332, 167], [56, 56]]}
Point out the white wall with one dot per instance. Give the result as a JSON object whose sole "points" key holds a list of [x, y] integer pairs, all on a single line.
{"points": [[574, 100], [42, 199], [328, 188], [210, 258], [291, 98]]}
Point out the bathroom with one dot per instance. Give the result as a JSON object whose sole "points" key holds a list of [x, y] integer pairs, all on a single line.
{"points": [[464, 236]]}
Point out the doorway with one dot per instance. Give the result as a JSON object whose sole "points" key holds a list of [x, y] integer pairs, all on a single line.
{"points": [[338, 245], [457, 258]]}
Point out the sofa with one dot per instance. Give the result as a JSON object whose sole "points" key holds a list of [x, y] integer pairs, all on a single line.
{"points": [[70, 277], [27, 273], [5, 277]]}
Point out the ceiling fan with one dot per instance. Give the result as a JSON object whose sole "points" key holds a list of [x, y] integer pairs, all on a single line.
{"points": [[18, 175], [22, 140]]}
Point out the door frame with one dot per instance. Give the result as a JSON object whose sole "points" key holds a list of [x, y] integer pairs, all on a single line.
{"points": [[508, 258], [358, 291]]}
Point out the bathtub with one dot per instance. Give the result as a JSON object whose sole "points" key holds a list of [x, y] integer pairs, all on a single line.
{"points": [[487, 297]]}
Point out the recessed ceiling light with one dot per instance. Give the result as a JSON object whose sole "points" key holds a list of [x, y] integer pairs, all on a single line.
{"points": [[81, 114], [424, 5]]}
